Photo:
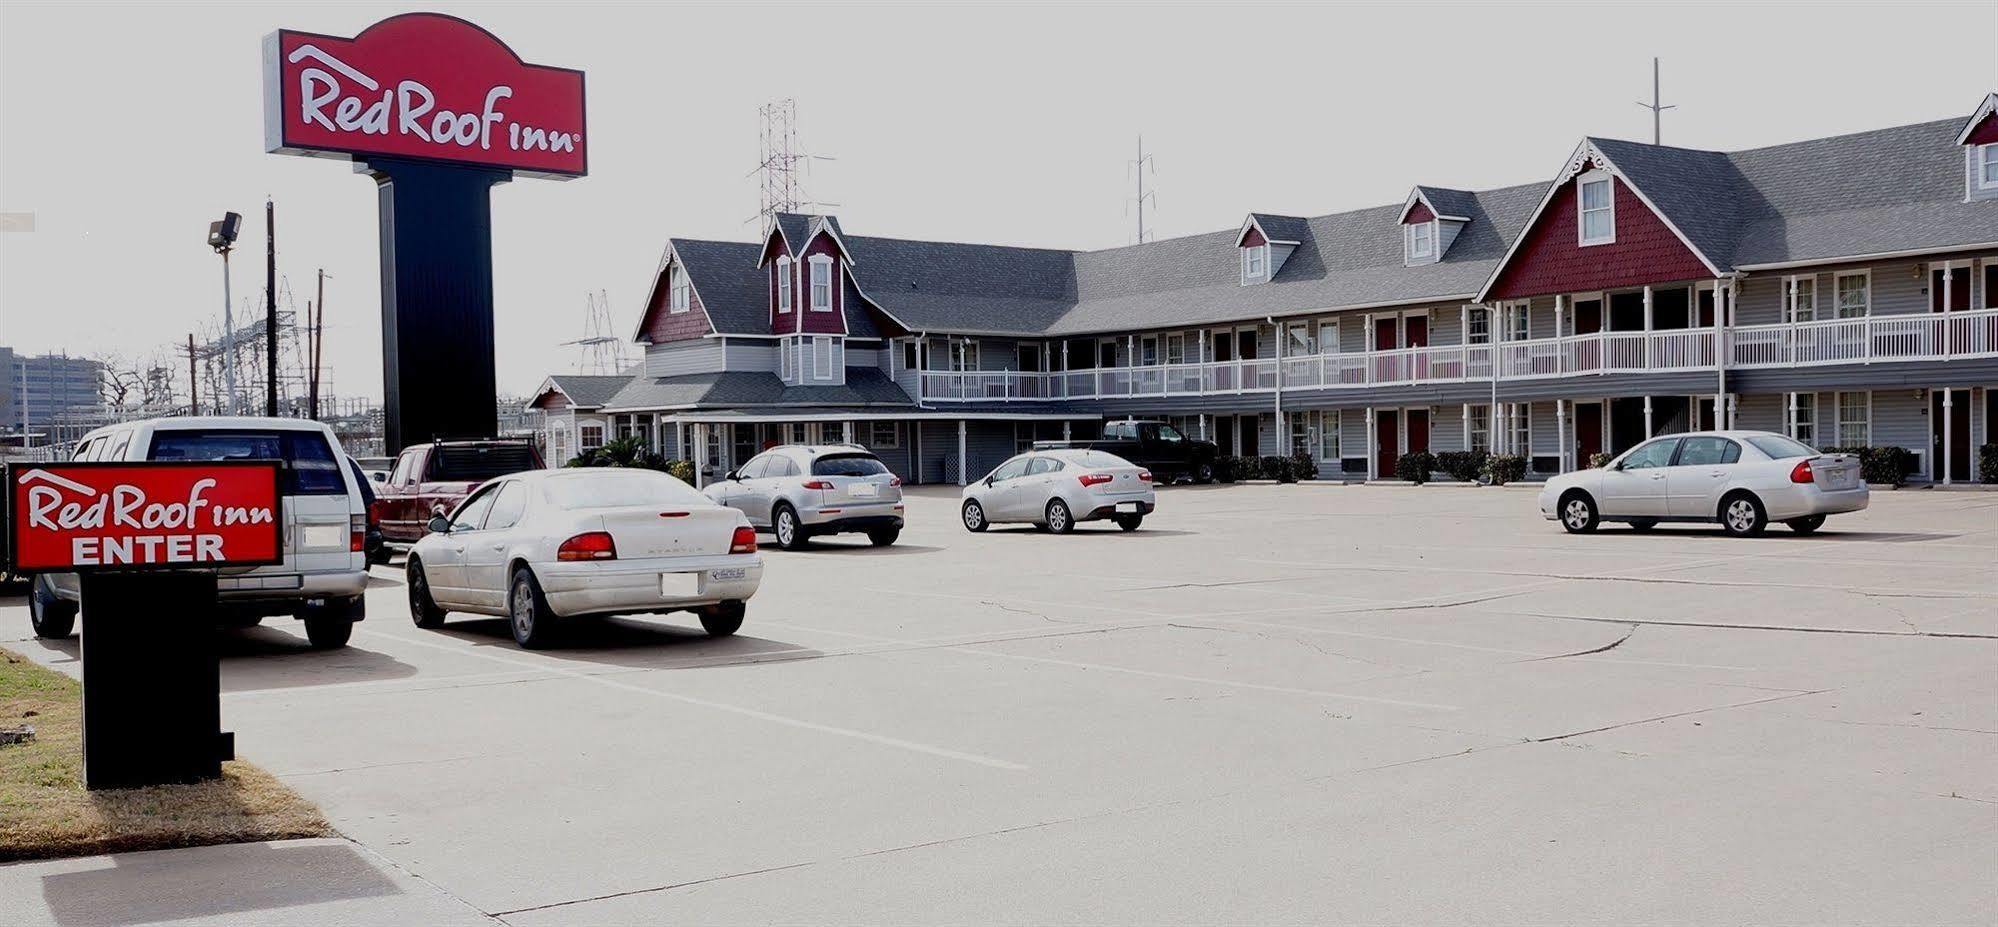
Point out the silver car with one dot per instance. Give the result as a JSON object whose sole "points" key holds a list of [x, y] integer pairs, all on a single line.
{"points": [[1742, 479], [1055, 489], [798, 491]]}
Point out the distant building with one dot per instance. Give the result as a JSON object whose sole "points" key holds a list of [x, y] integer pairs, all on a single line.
{"points": [[54, 384]]}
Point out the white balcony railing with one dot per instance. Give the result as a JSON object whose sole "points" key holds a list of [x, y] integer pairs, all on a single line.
{"points": [[1873, 339]]}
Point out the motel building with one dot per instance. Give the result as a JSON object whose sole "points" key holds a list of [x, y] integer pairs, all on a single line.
{"points": [[1841, 290]]}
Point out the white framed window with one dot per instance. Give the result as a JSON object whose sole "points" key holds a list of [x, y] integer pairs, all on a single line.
{"points": [[1518, 320], [1804, 417], [1328, 337], [1853, 294], [1855, 419], [1255, 262], [589, 435], [822, 357], [787, 358], [1175, 344], [883, 435], [1328, 435], [1987, 166], [1478, 326], [1301, 342], [679, 293], [1520, 429], [1800, 299], [1420, 241], [822, 283], [1595, 204], [964, 356], [784, 284], [1479, 418]]}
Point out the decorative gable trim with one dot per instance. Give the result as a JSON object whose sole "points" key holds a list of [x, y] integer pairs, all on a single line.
{"points": [[1417, 198], [823, 225], [1250, 224], [549, 387], [654, 304], [1988, 110], [1587, 157], [777, 232]]}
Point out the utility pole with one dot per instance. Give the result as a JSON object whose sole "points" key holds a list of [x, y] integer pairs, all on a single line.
{"points": [[1657, 107], [1141, 165], [270, 308], [193, 382], [315, 312]]}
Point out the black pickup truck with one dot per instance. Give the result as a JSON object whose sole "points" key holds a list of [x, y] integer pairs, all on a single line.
{"points": [[1156, 446]]}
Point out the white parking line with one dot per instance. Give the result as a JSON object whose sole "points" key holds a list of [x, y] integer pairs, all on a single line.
{"points": [[718, 706]]}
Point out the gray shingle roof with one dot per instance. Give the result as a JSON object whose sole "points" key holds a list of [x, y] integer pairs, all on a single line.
{"points": [[589, 391], [865, 386], [1282, 228], [735, 294], [1449, 202]]}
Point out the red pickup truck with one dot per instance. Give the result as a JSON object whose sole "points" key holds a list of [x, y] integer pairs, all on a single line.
{"points": [[431, 479]]}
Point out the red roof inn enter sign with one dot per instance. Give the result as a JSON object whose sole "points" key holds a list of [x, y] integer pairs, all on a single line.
{"points": [[143, 516], [422, 86]]}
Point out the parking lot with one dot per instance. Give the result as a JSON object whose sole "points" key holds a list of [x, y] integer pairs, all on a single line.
{"points": [[1303, 703]]}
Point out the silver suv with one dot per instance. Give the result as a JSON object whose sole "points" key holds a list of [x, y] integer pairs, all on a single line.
{"points": [[797, 491]]}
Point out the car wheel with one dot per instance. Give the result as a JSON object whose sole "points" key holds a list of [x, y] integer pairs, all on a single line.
{"points": [[1203, 474], [422, 608], [527, 613], [882, 537], [974, 516], [723, 619], [327, 632], [1060, 520], [784, 524], [1807, 524], [1642, 525], [1578, 513], [1130, 522], [51, 614], [1742, 515]]}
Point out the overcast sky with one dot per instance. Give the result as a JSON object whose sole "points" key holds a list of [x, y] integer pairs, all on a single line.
{"points": [[125, 129]]}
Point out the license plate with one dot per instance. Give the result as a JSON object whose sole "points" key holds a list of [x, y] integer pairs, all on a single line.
{"points": [[679, 584], [1127, 507], [727, 574], [322, 537], [863, 491]]}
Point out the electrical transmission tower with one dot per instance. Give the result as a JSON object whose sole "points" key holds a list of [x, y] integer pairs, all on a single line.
{"points": [[603, 351], [1139, 168], [782, 186]]}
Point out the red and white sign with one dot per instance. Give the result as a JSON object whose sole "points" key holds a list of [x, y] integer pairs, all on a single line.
{"points": [[422, 85], [135, 516]]}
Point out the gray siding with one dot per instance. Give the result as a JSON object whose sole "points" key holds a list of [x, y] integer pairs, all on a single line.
{"points": [[673, 358], [898, 459], [1898, 288], [1901, 420], [1970, 178], [750, 354]]}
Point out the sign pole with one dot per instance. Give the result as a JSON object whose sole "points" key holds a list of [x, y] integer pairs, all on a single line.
{"points": [[152, 680]]}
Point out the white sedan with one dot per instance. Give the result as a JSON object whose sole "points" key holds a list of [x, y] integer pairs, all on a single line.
{"points": [[1054, 489], [545, 545], [1742, 479]]}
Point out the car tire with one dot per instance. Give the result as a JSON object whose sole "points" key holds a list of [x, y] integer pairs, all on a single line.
{"points": [[51, 615], [883, 537], [1642, 525], [1060, 520], [973, 516], [1203, 474], [527, 612], [327, 632], [1742, 515], [1577, 512], [423, 609], [789, 531], [1806, 524], [1130, 522], [723, 619]]}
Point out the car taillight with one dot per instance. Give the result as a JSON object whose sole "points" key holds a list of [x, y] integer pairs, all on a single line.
{"points": [[357, 532], [744, 541], [818, 484], [894, 481], [590, 545], [1093, 479], [1145, 475], [1801, 473]]}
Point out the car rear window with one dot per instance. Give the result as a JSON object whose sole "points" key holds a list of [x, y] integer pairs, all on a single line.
{"points": [[1780, 448], [477, 463], [848, 465], [307, 464], [613, 488]]}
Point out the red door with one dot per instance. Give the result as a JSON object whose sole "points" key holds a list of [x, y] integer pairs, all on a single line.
{"points": [[1384, 335], [1416, 330], [1959, 290], [1956, 463], [1387, 442], [1588, 317], [1588, 433], [1418, 430]]}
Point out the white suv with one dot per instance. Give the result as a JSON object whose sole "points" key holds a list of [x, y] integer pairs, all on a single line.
{"points": [[325, 568]]}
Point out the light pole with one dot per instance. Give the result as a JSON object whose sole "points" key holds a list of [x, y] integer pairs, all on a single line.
{"points": [[222, 237]]}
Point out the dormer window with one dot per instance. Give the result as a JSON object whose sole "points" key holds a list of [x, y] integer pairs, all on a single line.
{"points": [[1420, 241], [1255, 262], [1596, 206], [1987, 166], [783, 284], [822, 283], [679, 293]]}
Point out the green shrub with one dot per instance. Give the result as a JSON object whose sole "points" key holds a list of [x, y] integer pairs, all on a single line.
{"points": [[1505, 468], [1889, 464], [1462, 466], [1599, 460], [1415, 467], [682, 470], [1226, 468], [1987, 463], [1303, 466], [1279, 469]]}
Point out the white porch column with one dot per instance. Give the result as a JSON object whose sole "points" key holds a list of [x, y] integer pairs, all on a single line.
{"points": [[1948, 429], [1647, 343], [1561, 434], [1373, 437], [1467, 426], [847, 428], [1203, 428], [1065, 423], [700, 454], [1946, 339], [1648, 433], [963, 464]]}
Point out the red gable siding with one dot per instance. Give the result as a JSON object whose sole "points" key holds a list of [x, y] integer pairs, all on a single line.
{"points": [[1986, 131], [1551, 260], [1418, 214], [1253, 238], [824, 323], [662, 326], [781, 322]]}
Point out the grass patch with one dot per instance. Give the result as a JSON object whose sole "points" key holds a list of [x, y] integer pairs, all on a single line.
{"points": [[46, 812]]}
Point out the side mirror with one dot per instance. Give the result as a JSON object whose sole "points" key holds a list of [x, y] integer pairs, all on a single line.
{"points": [[440, 525], [988, 481]]}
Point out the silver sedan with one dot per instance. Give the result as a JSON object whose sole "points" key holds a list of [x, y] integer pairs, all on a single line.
{"points": [[1055, 489], [1742, 479], [544, 546]]}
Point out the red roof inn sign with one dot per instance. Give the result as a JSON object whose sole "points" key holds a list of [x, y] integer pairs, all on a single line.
{"points": [[422, 86], [143, 516]]}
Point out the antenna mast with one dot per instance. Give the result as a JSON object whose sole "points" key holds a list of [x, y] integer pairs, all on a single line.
{"points": [[1657, 107], [1140, 168], [783, 188]]}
